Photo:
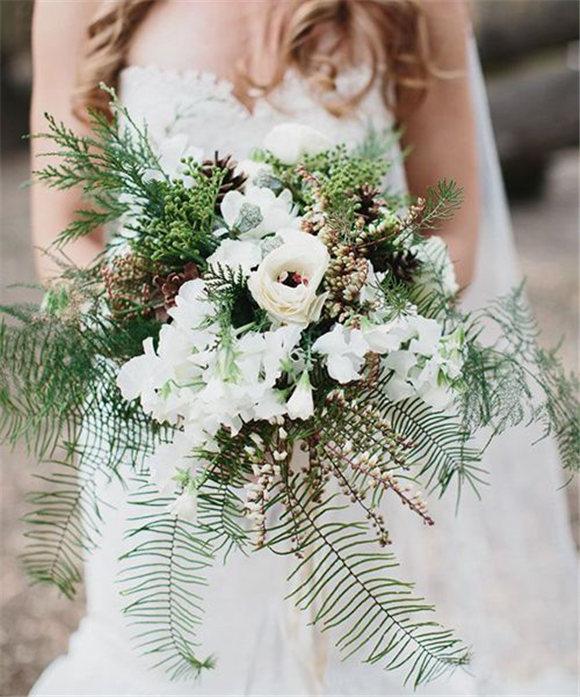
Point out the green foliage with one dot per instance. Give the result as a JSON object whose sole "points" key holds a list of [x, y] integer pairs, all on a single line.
{"points": [[119, 174], [63, 524], [110, 162], [347, 585], [163, 578], [46, 373], [226, 288], [58, 396], [440, 452], [510, 379], [441, 204], [179, 227]]}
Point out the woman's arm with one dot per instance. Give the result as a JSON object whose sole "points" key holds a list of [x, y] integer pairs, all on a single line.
{"points": [[441, 132], [57, 37]]}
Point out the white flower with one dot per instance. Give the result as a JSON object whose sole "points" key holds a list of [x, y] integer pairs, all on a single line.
{"points": [[437, 270], [382, 338], [258, 211], [143, 375], [291, 141], [372, 294], [242, 254], [345, 351], [171, 150], [178, 455], [301, 404], [286, 281], [278, 345], [254, 170], [426, 334], [185, 506], [427, 363], [192, 306]]}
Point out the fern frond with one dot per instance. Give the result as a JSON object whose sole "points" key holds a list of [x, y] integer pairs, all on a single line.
{"points": [[40, 401], [439, 449], [347, 583], [441, 204], [64, 525], [506, 377], [163, 578]]}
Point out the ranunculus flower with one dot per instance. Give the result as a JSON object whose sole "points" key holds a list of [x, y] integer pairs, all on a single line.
{"points": [[291, 141], [286, 281], [301, 404]]}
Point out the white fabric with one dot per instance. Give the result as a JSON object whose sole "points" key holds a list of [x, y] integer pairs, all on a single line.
{"points": [[502, 571]]}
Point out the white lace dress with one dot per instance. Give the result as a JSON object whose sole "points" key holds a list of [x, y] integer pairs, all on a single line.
{"points": [[502, 571]]}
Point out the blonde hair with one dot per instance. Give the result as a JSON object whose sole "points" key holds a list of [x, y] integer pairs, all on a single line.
{"points": [[316, 38]]}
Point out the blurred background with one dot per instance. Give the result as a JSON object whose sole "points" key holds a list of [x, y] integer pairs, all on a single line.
{"points": [[529, 50]]}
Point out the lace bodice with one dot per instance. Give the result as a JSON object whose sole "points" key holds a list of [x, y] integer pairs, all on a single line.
{"points": [[204, 108]]}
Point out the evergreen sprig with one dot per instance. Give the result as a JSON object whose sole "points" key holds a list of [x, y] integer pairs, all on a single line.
{"points": [[109, 167]]}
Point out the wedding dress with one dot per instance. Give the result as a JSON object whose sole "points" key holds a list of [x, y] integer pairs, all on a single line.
{"points": [[501, 571]]}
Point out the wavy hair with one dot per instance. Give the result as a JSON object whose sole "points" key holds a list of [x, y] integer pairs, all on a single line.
{"points": [[316, 38]]}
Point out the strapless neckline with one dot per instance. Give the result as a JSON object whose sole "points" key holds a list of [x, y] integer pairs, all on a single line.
{"points": [[224, 88], [204, 108]]}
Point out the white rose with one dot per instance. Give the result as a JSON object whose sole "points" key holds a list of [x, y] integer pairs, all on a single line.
{"points": [[291, 141], [286, 281]]}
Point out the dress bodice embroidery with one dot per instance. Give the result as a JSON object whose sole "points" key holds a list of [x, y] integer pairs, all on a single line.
{"points": [[204, 108]]}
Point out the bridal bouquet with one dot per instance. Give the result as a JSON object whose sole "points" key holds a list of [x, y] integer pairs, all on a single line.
{"points": [[271, 354]]}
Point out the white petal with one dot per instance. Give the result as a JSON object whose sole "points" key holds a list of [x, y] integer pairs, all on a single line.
{"points": [[230, 207], [343, 369]]}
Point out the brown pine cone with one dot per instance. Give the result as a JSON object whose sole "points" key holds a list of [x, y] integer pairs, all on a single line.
{"points": [[169, 287], [230, 180], [368, 202], [403, 265]]}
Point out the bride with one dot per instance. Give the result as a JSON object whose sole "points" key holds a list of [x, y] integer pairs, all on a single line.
{"points": [[502, 570]]}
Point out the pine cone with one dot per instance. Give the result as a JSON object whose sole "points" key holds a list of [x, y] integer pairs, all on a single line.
{"points": [[169, 287], [127, 280], [403, 265], [368, 203], [230, 180]]}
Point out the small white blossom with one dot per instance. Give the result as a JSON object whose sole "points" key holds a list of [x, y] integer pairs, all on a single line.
{"points": [[301, 404], [258, 211], [345, 351], [291, 141], [237, 254]]}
